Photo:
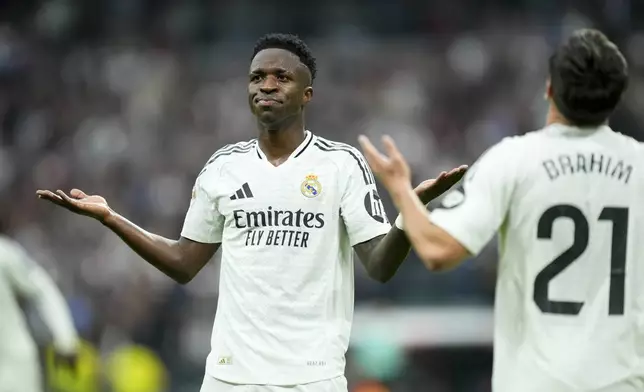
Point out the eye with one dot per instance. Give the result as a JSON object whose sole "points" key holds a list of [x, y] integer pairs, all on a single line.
{"points": [[255, 78], [282, 78]]}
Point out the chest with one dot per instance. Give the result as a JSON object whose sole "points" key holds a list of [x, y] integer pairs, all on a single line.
{"points": [[301, 195]]}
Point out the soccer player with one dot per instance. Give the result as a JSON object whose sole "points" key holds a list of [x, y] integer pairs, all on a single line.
{"points": [[287, 210], [566, 201], [23, 279]]}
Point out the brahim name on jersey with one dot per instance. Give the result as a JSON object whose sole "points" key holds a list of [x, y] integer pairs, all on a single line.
{"points": [[593, 163]]}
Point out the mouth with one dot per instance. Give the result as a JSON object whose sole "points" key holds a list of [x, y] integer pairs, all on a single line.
{"points": [[266, 102]]}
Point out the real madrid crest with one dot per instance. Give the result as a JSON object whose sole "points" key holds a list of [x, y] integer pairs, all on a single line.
{"points": [[311, 187]]}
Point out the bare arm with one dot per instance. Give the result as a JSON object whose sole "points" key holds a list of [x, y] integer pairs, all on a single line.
{"points": [[383, 255], [436, 248], [180, 259]]}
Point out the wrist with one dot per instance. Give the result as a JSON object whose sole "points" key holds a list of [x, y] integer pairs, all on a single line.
{"points": [[399, 222], [109, 218], [399, 191]]}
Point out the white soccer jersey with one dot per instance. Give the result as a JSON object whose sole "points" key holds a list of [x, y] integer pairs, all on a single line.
{"points": [[20, 277], [567, 204], [286, 284]]}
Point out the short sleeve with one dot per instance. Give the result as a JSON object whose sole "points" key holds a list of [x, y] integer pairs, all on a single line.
{"points": [[361, 208], [474, 212], [203, 223]]}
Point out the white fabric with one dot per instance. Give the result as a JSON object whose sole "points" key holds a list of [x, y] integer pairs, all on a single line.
{"points": [[286, 287], [21, 277], [542, 193]]}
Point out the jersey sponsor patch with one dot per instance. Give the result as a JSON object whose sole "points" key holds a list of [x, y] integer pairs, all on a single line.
{"points": [[272, 227], [373, 205]]}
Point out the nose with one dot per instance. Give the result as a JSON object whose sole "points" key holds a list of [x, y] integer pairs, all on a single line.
{"points": [[269, 85]]}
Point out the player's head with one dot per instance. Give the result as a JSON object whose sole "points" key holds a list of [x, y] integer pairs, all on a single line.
{"points": [[281, 76], [588, 75]]}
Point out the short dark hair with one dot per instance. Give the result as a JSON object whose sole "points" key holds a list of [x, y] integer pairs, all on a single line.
{"points": [[289, 42], [588, 75]]}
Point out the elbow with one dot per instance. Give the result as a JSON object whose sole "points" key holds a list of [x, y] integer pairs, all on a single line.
{"points": [[182, 274], [380, 278], [383, 279], [434, 266], [182, 278], [379, 275]]}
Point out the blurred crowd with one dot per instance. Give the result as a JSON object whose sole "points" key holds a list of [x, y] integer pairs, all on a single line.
{"points": [[128, 99]]}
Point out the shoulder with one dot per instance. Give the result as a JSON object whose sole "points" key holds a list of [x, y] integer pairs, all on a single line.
{"points": [[333, 146], [500, 161], [347, 157], [506, 149], [627, 142], [228, 153], [9, 245], [10, 250]]}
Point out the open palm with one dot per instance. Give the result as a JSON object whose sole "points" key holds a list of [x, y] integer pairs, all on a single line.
{"points": [[393, 171], [433, 188], [78, 202]]}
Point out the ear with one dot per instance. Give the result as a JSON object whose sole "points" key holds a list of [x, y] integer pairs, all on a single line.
{"points": [[308, 95], [548, 93]]}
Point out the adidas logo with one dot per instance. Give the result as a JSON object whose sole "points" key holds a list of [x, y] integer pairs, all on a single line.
{"points": [[225, 361], [242, 193]]}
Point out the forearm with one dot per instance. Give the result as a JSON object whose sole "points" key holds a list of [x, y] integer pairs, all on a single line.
{"points": [[163, 253], [388, 254], [418, 228]]}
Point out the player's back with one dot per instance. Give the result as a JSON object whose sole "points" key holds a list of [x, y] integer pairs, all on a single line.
{"points": [[570, 309]]}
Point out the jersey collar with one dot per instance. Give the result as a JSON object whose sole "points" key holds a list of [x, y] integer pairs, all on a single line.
{"points": [[308, 138], [569, 130]]}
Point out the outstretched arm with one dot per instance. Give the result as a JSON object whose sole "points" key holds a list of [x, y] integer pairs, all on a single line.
{"points": [[180, 259], [380, 248], [467, 219], [383, 255], [435, 247]]}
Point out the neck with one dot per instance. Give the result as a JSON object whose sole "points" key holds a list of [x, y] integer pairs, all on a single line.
{"points": [[555, 117], [280, 140]]}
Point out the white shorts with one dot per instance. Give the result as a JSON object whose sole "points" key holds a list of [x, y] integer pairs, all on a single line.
{"points": [[338, 384]]}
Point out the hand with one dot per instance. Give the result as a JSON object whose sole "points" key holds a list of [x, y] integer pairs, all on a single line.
{"points": [[78, 202], [394, 171], [391, 169], [429, 190]]}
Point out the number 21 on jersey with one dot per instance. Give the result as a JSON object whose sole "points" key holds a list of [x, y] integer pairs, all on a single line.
{"points": [[618, 216]]}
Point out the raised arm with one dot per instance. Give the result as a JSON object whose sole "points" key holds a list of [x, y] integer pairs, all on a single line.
{"points": [[180, 259], [448, 235], [380, 247], [383, 255]]}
